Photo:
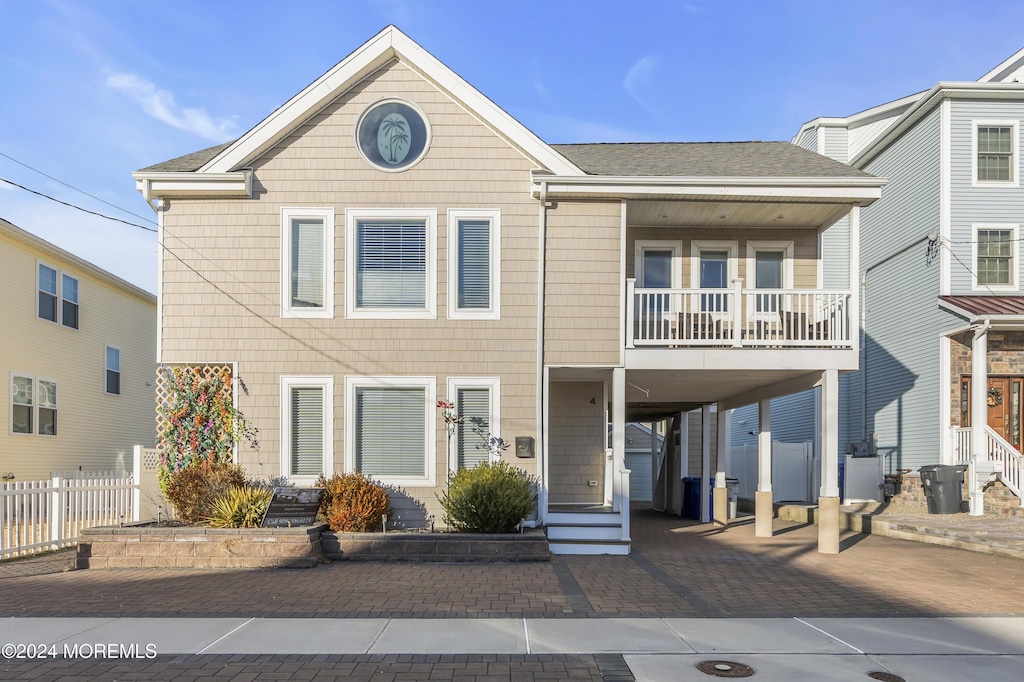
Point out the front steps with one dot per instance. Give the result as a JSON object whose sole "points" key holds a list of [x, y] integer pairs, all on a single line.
{"points": [[585, 530]]}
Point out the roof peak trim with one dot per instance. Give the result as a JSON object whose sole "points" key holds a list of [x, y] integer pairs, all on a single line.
{"points": [[387, 45]]}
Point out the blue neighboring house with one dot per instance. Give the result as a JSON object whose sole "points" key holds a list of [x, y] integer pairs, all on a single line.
{"points": [[940, 277]]}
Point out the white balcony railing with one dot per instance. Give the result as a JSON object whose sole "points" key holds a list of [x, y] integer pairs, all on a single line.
{"points": [[738, 317]]}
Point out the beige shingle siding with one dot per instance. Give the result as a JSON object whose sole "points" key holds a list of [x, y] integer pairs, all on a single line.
{"points": [[467, 166], [576, 442], [583, 284], [95, 431], [805, 248]]}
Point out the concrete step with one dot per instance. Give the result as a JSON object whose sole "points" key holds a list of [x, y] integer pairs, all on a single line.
{"points": [[584, 518], [589, 547], [603, 531]]}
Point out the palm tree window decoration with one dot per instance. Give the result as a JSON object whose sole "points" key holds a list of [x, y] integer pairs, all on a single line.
{"points": [[393, 137]]}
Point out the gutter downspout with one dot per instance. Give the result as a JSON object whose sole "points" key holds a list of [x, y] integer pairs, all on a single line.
{"points": [[542, 228], [979, 413], [147, 186]]}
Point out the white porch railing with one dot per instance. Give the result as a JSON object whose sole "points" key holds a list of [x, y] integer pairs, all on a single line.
{"points": [[624, 504], [997, 450], [738, 317], [40, 515]]}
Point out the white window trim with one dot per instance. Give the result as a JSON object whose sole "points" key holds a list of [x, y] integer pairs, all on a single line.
{"points": [[430, 437], [641, 245], [1014, 181], [787, 249], [1014, 284], [454, 216], [10, 410], [60, 301], [731, 247], [35, 404], [492, 383], [352, 216], [120, 384], [327, 216], [57, 306], [327, 384]]}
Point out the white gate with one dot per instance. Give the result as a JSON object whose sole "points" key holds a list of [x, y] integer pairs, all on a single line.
{"points": [[792, 471]]}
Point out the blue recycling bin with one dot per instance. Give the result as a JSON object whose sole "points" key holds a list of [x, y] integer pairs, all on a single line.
{"points": [[691, 497]]}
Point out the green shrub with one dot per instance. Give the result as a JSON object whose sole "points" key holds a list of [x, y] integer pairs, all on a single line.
{"points": [[353, 503], [490, 498], [240, 507], [193, 490]]}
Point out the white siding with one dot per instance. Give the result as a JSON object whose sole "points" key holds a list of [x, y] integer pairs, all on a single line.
{"points": [[835, 144], [862, 136], [835, 255], [809, 139]]}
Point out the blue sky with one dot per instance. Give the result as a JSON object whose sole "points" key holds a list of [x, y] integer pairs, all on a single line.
{"points": [[93, 90]]}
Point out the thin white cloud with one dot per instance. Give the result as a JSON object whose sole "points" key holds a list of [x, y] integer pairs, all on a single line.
{"points": [[553, 128], [160, 105], [639, 79]]}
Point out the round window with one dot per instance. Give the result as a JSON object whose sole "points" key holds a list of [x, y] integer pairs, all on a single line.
{"points": [[392, 135]]}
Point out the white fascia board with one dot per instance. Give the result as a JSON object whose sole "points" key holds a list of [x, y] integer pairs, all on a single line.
{"points": [[862, 189], [1003, 68], [926, 103], [387, 45], [882, 110], [186, 184]]}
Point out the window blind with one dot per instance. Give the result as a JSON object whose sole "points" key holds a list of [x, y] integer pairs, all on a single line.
{"points": [[391, 265], [390, 431], [307, 263], [474, 406], [307, 430], [474, 264]]}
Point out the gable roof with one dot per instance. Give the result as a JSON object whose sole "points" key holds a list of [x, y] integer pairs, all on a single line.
{"points": [[704, 159], [388, 45]]}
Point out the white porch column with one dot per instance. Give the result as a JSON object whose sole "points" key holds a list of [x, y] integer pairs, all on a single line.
{"points": [[620, 497], [763, 508], [721, 493], [828, 495], [979, 416], [705, 461]]}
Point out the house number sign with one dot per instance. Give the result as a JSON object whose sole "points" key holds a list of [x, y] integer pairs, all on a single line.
{"points": [[292, 507], [392, 135]]}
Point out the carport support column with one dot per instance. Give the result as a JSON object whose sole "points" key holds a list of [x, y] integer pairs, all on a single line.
{"points": [[705, 461], [828, 495], [979, 416], [722, 446], [620, 498], [763, 509]]}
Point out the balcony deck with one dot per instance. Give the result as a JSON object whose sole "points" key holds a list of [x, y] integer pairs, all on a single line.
{"points": [[739, 318]]}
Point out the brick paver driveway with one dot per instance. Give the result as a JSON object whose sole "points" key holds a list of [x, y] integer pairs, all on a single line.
{"points": [[678, 568]]}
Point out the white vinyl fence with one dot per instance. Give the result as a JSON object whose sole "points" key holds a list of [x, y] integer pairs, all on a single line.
{"points": [[36, 516]]}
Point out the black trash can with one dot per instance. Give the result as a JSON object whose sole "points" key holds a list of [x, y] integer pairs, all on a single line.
{"points": [[943, 488]]}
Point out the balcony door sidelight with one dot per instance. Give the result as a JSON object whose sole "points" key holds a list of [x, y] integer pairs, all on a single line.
{"points": [[714, 274]]}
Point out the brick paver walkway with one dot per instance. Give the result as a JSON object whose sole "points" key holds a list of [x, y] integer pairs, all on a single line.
{"points": [[678, 569]]}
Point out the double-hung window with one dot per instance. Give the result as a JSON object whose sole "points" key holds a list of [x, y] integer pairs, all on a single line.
{"points": [[995, 257], [995, 153], [307, 262], [477, 406], [113, 370], [474, 264], [33, 405], [713, 266], [390, 427], [307, 409], [769, 266], [391, 268], [57, 298], [47, 293]]}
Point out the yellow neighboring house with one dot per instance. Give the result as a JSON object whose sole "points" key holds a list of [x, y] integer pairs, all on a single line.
{"points": [[78, 353]]}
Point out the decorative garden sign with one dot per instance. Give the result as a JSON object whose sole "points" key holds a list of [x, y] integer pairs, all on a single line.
{"points": [[293, 507]]}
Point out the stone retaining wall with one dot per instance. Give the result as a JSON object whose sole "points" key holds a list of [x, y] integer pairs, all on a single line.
{"points": [[147, 546], [398, 546]]}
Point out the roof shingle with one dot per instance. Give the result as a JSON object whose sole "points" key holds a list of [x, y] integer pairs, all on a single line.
{"points": [[704, 159], [189, 162]]}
